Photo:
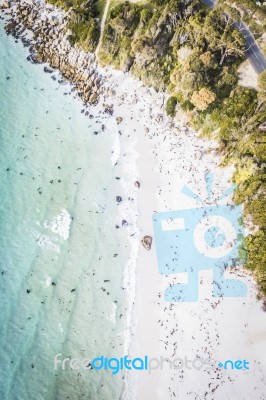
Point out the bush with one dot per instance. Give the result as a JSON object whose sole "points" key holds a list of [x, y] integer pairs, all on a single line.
{"points": [[203, 98], [262, 81], [171, 106]]}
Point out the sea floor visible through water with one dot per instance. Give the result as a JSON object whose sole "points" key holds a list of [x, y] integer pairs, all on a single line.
{"points": [[62, 256]]}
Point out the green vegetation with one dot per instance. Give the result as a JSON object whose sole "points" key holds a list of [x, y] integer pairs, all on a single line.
{"points": [[146, 39], [122, 21], [84, 21], [193, 52], [253, 13], [262, 82], [171, 106], [238, 121]]}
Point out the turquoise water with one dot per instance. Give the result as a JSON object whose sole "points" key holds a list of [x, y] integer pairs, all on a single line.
{"points": [[56, 174]]}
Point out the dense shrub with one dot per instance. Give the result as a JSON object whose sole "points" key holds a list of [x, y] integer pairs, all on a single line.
{"points": [[171, 106]]}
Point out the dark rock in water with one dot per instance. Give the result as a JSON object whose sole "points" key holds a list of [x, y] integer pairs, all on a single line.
{"points": [[28, 290], [11, 27], [89, 366], [34, 59], [62, 81], [124, 222], [53, 77], [119, 199], [146, 242], [26, 42], [73, 290], [137, 184], [48, 70]]}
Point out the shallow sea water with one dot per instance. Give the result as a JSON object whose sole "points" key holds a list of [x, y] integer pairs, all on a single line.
{"points": [[58, 238]]}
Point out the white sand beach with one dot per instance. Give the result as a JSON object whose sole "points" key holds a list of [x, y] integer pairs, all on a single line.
{"points": [[169, 156]]}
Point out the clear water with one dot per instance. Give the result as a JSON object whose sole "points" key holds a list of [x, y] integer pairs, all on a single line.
{"points": [[55, 171]]}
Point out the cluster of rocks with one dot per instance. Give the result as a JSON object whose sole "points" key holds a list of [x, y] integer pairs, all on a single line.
{"points": [[44, 29]]}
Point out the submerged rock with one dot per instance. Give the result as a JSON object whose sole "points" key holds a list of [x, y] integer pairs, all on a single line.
{"points": [[48, 70]]}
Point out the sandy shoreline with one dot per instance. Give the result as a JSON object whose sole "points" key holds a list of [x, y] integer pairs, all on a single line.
{"points": [[170, 155], [165, 156]]}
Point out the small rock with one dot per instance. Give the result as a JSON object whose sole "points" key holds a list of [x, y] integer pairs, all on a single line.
{"points": [[146, 242], [48, 70]]}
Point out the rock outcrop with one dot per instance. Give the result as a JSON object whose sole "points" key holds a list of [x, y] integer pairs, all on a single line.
{"points": [[44, 29]]}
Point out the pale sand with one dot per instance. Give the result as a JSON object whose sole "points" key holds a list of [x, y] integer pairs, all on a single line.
{"points": [[247, 75], [221, 329]]}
